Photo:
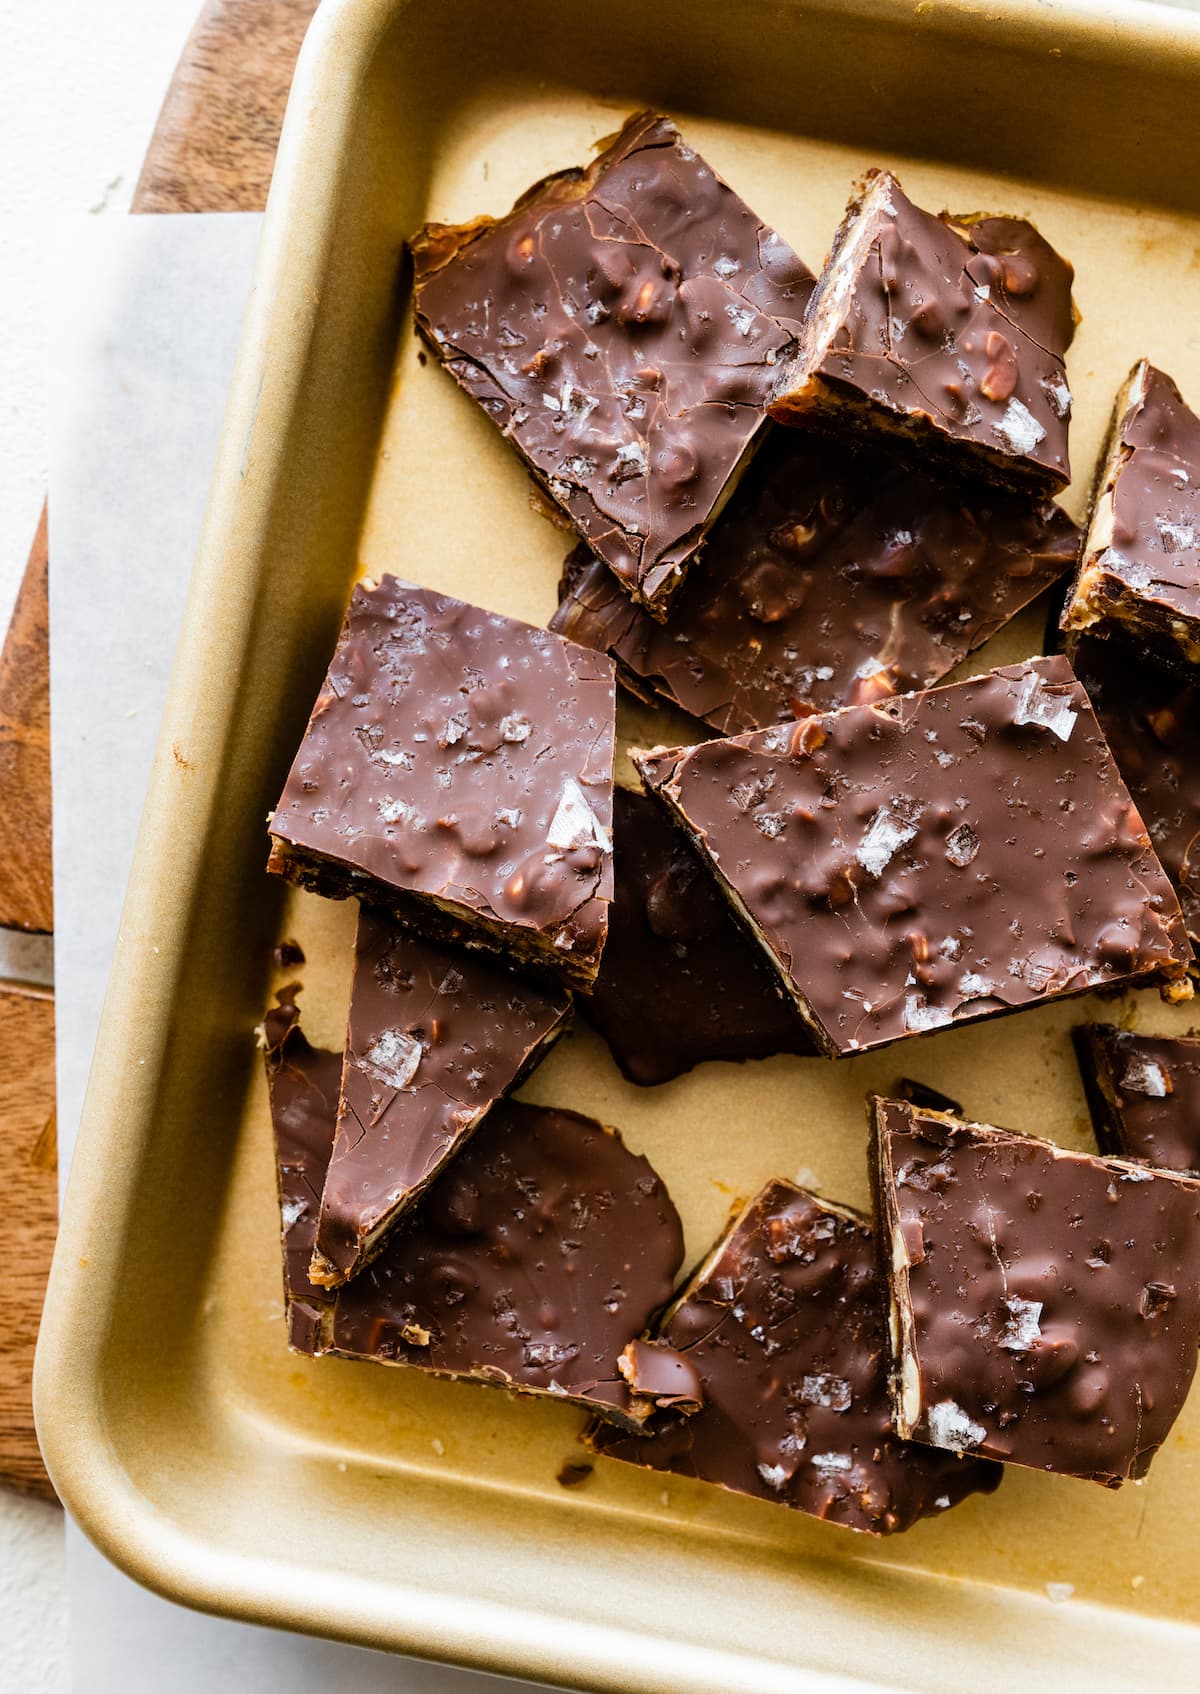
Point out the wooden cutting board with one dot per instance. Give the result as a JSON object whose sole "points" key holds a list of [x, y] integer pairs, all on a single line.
{"points": [[213, 150]]}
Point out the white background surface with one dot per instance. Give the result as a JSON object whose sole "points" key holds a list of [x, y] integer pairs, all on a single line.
{"points": [[80, 87]]}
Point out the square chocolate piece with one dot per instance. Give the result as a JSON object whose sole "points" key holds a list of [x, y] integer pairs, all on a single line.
{"points": [[783, 1327], [1150, 715], [1143, 1092], [1045, 1304], [1140, 567], [436, 1036], [949, 331], [832, 578], [531, 1262], [934, 858], [680, 981], [457, 769], [621, 326]]}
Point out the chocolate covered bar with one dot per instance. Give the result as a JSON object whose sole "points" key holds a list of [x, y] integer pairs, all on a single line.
{"points": [[1143, 1092], [934, 858], [833, 578], [531, 1261], [1045, 1305], [680, 981], [621, 327], [457, 769], [1140, 566], [1150, 715], [435, 1038], [948, 331], [783, 1328]]}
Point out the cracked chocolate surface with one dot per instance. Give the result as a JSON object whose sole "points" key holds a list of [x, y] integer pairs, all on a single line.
{"points": [[457, 769], [1140, 568], [833, 578], [784, 1328], [531, 1262], [1143, 1092], [436, 1036], [1150, 715], [621, 327], [680, 981], [934, 858], [949, 330], [1046, 1303]]}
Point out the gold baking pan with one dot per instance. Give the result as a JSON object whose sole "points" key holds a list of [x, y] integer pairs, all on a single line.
{"points": [[371, 1504]]}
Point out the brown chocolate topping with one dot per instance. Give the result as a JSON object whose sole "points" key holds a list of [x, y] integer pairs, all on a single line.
{"points": [[784, 1327], [621, 326], [542, 1249], [935, 858], [680, 981], [1144, 1094], [1141, 560], [1151, 719], [833, 578], [457, 768], [948, 330], [435, 1038], [1047, 1303]]}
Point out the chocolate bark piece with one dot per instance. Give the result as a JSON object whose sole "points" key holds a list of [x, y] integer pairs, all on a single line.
{"points": [[621, 326], [302, 1082], [1143, 1092], [457, 769], [833, 578], [531, 1262], [949, 331], [1140, 565], [934, 858], [783, 1325], [1045, 1304], [680, 981], [1150, 715], [436, 1036]]}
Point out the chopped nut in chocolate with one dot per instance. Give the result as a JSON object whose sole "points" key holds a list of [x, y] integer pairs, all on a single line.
{"points": [[935, 858], [948, 330], [680, 981], [621, 326], [1144, 1093], [457, 769], [1140, 567], [921, 1094], [783, 1329], [531, 1262], [833, 578], [1150, 715], [1045, 1304], [436, 1037]]}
